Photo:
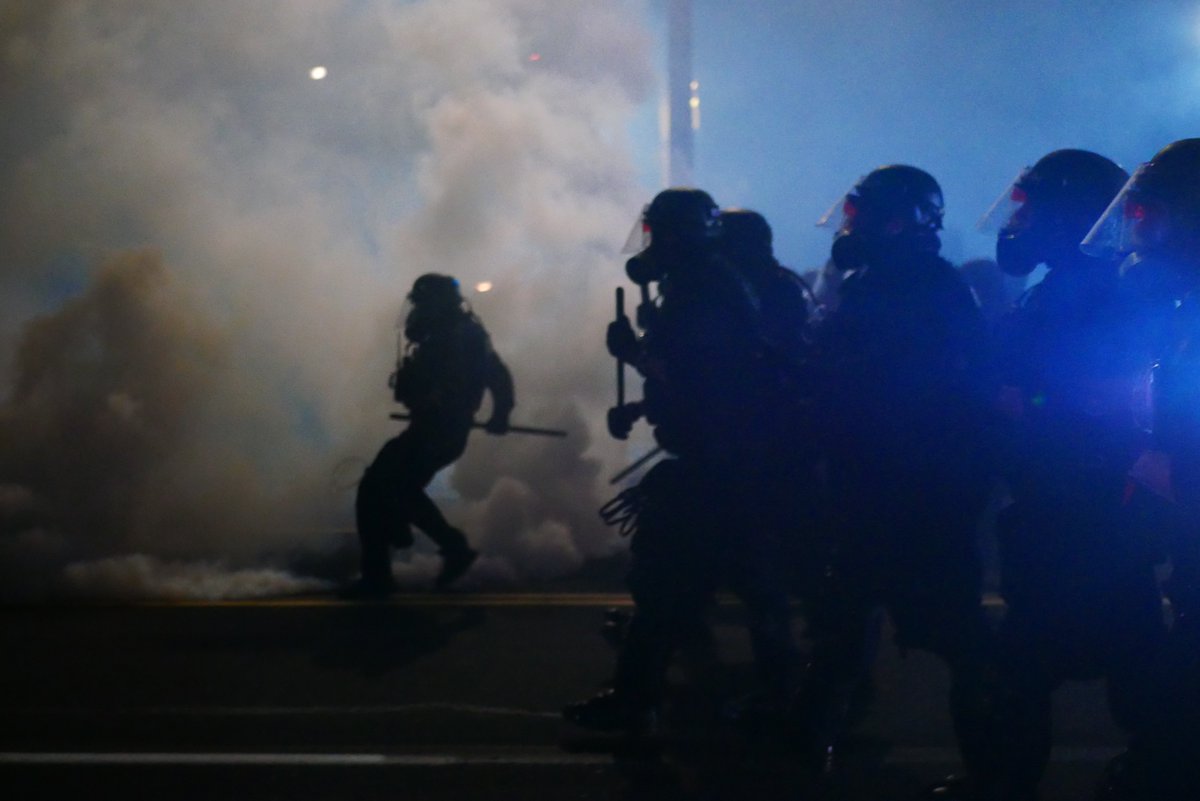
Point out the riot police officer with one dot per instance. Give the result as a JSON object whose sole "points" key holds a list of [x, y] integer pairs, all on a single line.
{"points": [[695, 521], [905, 386], [1079, 583], [448, 365], [1156, 220], [790, 487]]}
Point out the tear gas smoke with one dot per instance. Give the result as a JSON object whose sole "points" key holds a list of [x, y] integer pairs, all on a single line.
{"points": [[205, 251]]}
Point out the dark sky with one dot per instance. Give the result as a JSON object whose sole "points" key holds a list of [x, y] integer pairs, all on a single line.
{"points": [[800, 99]]}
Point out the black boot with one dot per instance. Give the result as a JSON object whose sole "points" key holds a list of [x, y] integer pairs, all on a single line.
{"points": [[455, 563], [612, 712]]}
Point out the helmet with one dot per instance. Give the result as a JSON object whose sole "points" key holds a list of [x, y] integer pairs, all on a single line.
{"points": [[1158, 209], [897, 208], [745, 236], [677, 225], [1049, 207], [435, 292], [689, 212]]}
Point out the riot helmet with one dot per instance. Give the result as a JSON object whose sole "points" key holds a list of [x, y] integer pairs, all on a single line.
{"points": [[678, 226], [746, 237], [1157, 212], [433, 301], [894, 211], [1049, 207]]}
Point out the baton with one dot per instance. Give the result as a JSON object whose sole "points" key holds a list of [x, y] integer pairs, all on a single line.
{"points": [[541, 432], [620, 362], [633, 467]]}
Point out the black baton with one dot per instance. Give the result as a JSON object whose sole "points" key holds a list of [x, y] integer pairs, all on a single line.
{"points": [[541, 432]]}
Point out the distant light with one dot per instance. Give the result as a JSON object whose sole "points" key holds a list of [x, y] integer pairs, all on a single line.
{"points": [[318, 73], [695, 85], [483, 286], [694, 102], [535, 56]]}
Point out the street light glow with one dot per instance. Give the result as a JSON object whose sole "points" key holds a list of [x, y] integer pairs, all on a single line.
{"points": [[318, 73], [483, 286]]}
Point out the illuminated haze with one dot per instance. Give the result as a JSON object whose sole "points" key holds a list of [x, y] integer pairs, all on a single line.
{"points": [[205, 250], [800, 99]]}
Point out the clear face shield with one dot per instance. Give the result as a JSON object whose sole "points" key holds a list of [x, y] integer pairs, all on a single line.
{"points": [[647, 263], [842, 215], [639, 236], [1128, 223], [857, 240], [1006, 211], [843, 211]]}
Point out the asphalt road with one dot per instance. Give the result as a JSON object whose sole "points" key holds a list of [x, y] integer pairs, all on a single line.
{"points": [[426, 697]]}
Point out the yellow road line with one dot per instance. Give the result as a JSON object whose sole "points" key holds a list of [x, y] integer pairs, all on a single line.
{"points": [[485, 599], [415, 599]]}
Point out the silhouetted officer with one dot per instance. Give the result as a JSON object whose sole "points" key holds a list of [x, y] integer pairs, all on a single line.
{"points": [[780, 497], [1156, 219], [906, 388], [784, 413], [704, 365], [442, 379], [1078, 579]]}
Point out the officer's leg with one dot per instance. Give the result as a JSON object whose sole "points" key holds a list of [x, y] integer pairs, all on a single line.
{"points": [[842, 578], [956, 629], [1163, 759], [426, 516], [668, 600], [1134, 638], [756, 578], [753, 530], [1154, 692], [1028, 678], [671, 580], [439, 448], [380, 515], [840, 617], [935, 600], [457, 554], [1037, 642]]}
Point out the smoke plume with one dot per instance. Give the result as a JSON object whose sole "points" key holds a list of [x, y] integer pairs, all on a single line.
{"points": [[205, 249]]}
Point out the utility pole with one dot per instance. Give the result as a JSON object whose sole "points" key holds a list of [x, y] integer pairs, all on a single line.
{"points": [[683, 103]]}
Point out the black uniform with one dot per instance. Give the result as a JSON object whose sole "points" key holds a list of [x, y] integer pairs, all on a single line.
{"points": [[1156, 218], [905, 357], [700, 517], [904, 365], [1078, 573], [442, 381], [1163, 761], [788, 501], [1078, 579]]}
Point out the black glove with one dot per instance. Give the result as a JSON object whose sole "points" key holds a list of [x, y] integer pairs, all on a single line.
{"points": [[622, 418], [622, 342]]}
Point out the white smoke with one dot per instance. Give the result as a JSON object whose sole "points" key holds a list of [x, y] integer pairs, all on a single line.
{"points": [[139, 577], [204, 251]]}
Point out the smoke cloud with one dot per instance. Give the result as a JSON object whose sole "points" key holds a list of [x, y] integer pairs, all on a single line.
{"points": [[205, 250]]}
